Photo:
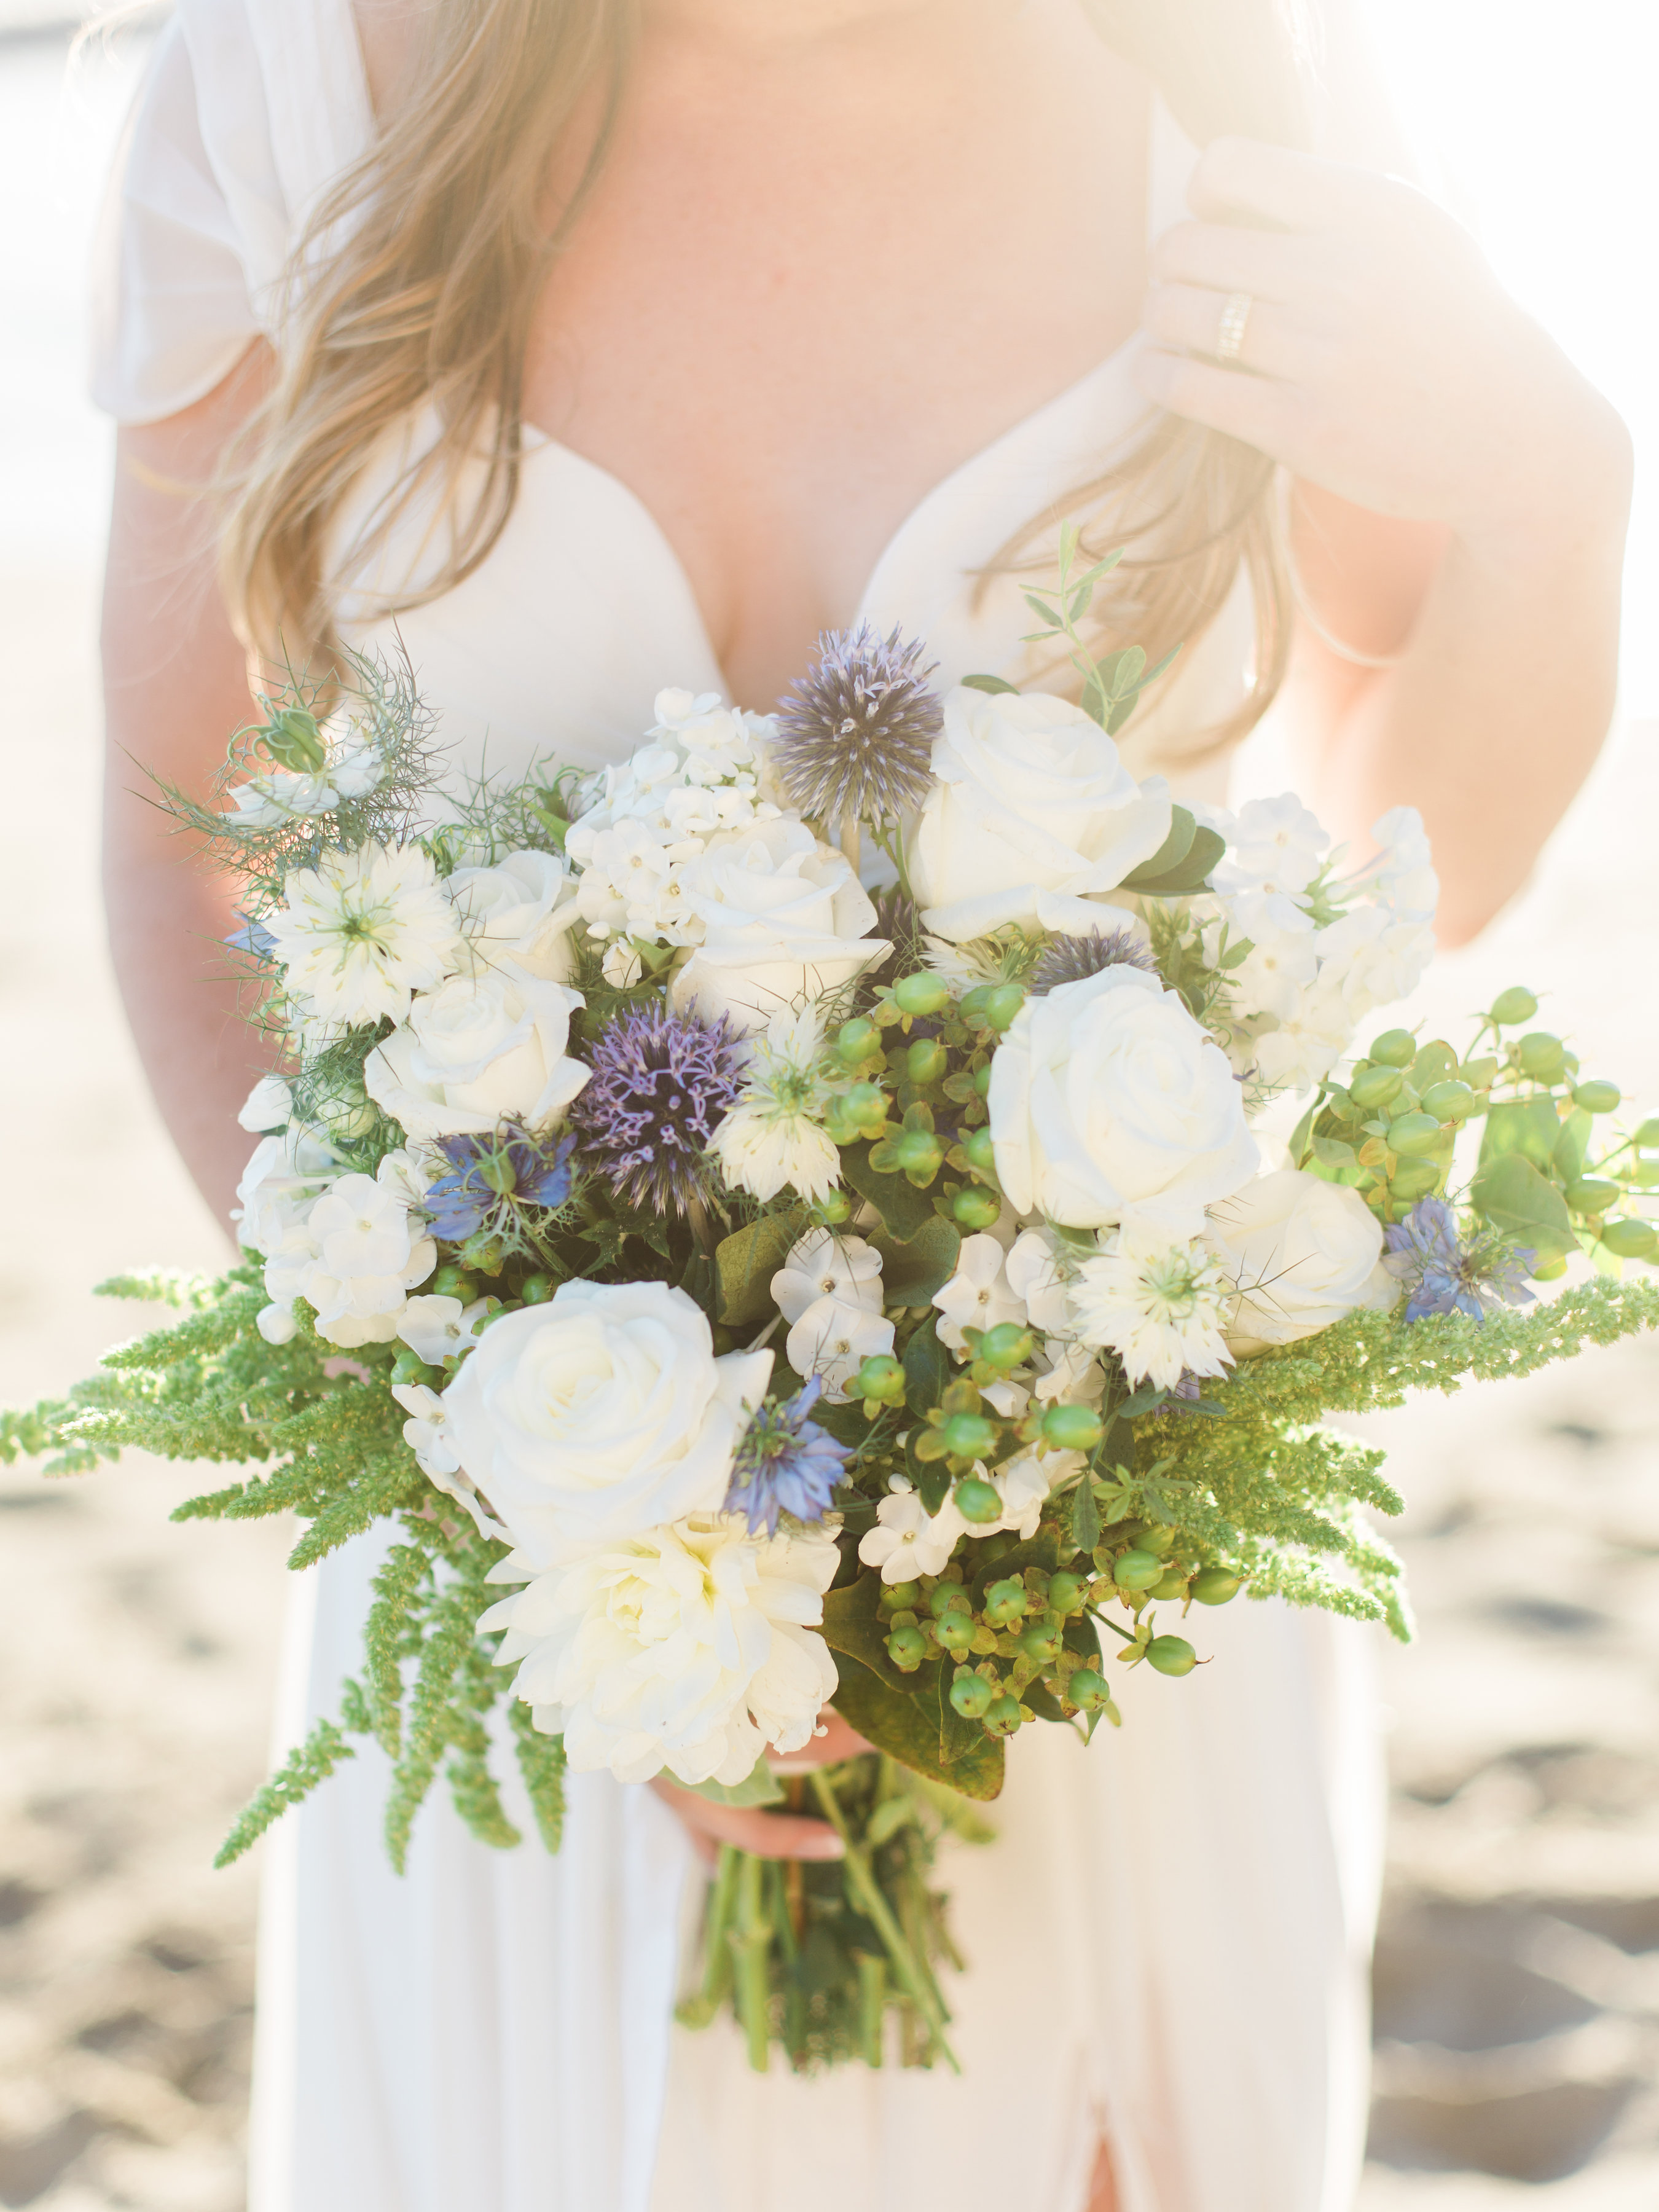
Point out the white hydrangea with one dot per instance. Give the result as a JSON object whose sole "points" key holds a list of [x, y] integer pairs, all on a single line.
{"points": [[1162, 1307], [907, 1541], [689, 1649], [360, 933], [775, 1138], [358, 1250]]}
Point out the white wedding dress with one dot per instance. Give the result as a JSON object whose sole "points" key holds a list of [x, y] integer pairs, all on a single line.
{"points": [[1168, 1941]]}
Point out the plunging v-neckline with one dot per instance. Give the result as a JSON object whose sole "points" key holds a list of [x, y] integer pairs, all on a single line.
{"points": [[1081, 393]]}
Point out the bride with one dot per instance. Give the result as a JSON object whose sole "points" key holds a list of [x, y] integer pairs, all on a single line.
{"points": [[590, 346]]}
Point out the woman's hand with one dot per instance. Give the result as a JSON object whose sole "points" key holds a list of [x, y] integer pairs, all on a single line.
{"points": [[769, 1835], [1381, 359]]}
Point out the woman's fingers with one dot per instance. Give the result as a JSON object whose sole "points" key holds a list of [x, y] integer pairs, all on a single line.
{"points": [[1256, 408], [839, 1740], [1189, 320], [1226, 257], [1271, 185], [765, 1835]]}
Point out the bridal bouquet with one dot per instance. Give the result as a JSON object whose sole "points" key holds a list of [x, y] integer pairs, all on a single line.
{"points": [[732, 1291]]}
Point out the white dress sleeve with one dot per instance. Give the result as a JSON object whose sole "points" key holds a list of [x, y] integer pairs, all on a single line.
{"points": [[250, 109]]}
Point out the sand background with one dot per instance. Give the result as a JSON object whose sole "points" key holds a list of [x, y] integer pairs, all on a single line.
{"points": [[1518, 1983]]}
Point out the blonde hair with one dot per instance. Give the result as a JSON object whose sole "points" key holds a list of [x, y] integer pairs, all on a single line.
{"points": [[418, 274]]}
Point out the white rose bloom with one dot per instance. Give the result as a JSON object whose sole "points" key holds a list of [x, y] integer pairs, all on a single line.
{"points": [[822, 1265], [979, 1295], [481, 1048], [428, 1436], [1163, 1308], [774, 1137], [1032, 813], [905, 1542], [269, 1105], [598, 1415], [1038, 1279], [362, 932], [783, 919], [1107, 1099], [440, 1329], [361, 1248], [832, 1339], [688, 1648], [520, 910], [1301, 1253]]}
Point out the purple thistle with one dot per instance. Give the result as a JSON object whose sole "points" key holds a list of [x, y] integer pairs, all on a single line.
{"points": [[855, 737], [786, 1463], [662, 1084], [1448, 1273], [485, 1171], [1069, 959]]}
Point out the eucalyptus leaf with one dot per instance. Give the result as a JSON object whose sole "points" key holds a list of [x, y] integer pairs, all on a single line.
{"points": [[1183, 828], [1514, 1197], [1085, 1516], [1189, 877], [993, 684]]}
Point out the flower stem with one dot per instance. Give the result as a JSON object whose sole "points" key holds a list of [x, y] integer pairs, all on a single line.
{"points": [[873, 2005], [750, 1941]]}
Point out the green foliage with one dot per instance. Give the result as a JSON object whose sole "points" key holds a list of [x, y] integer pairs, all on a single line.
{"points": [[314, 1760]]}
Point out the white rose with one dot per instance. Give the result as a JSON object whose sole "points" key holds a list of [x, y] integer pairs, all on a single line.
{"points": [[1302, 1252], [601, 1414], [690, 1649], [1107, 1099], [1031, 814], [784, 920], [483, 1048], [520, 910]]}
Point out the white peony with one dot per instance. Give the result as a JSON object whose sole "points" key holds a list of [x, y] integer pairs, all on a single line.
{"points": [[783, 919], [1301, 1253], [907, 1541], [775, 1138], [1032, 814], [688, 1648], [1107, 1099], [521, 909], [483, 1048], [359, 1249], [598, 1415], [979, 1295], [1162, 1307], [362, 932]]}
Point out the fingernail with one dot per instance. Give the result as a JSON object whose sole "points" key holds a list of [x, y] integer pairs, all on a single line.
{"points": [[823, 1847]]}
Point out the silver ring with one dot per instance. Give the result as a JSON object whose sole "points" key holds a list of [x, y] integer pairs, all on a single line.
{"points": [[1235, 321]]}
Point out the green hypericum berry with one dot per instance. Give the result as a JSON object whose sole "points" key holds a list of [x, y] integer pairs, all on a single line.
{"points": [[1415, 1179], [955, 1632], [974, 1207], [1004, 1715], [1174, 1584], [946, 1597], [1007, 1346], [1215, 1585], [1541, 1056], [1171, 1655], [971, 1695], [1395, 1048], [865, 1105], [880, 1379], [1138, 1571], [1068, 1592], [907, 1646], [1073, 1428], [1006, 1602], [919, 1152], [1629, 1239], [977, 1501], [900, 1598], [1041, 1642], [1513, 1006], [536, 1290], [452, 1282], [833, 1209], [982, 1081], [1002, 1004], [1088, 1691], [1589, 1195], [1374, 1086], [409, 1367], [969, 1436], [920, 993], [1413, 1134], [484, 1252], [982, 1154], [1450, 1101], [857, 1041], [1597, 1097], [926, 1060]]}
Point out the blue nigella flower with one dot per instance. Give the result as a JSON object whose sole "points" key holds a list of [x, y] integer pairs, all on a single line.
{"points": [[252, 937], [786, 1463], [662, 1084], [1447, 1272], [484, 1170]]}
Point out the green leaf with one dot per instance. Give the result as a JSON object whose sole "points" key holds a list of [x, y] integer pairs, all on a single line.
{"points": [[853, 1626], [1572, 1146], [1183, 828], [932, 1477], [1189, 877], [1085, 1516], [927, 1368], [745, 1263], [1529, 1126], [1120, 672], [1514, 1197], [1044, 613], [904, 1211], [989, 683], [1301, 1136], [911, 1271], [760, 1787], [1041, 1550], [903, 1726]]}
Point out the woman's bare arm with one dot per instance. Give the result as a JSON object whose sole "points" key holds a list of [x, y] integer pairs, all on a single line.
{"points": [[175, 686]]}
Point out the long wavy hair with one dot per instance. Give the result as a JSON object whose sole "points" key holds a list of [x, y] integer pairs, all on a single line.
{"points": [[418, 274]]}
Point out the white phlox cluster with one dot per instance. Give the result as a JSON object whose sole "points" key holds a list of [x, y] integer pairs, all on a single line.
{"points": [[828, 1289]]}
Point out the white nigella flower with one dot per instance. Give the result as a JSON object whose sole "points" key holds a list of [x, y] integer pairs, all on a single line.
{"points": [[1162, 1307], [774, 1136], [979, 1295], [362, 932], [440, 1329], [906, 1540]]}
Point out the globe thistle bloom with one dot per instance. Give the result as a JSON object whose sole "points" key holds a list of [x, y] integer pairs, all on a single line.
{"points": [[483, 1172], [855, 737], [786, 1463], [662, 1084], [1069, 959], [1447, 1272], [775, 1135]]}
